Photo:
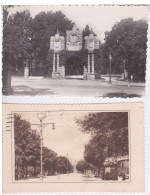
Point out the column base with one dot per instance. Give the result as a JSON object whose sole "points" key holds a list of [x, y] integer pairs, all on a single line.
{"points": [[90, 76], [60, 74], [85, 73], [57, 75]]}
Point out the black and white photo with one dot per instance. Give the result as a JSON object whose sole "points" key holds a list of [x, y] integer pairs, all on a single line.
{"points": [[90, 51]]}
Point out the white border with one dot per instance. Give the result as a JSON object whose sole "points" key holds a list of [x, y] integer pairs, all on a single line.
{"points": [[73, 2]]}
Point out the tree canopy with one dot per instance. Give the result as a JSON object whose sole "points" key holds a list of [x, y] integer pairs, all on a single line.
{"points": [[83, 165], [17, 34], [94, 153], [127, 41], [44, 26], [27, 40], [109, 131]]}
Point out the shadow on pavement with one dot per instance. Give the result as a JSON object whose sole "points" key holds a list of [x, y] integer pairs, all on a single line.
{"points": [[24, 90], [122, 95], [131, 86]]}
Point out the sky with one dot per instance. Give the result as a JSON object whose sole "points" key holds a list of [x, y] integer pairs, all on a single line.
{"points": [[99, 18], [67, 137]]}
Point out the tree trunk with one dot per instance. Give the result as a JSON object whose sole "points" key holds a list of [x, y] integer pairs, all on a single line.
{"points": [[26, 172], [103, 177], [34, 171], [7, 89], [99, 171], [16, 172]]}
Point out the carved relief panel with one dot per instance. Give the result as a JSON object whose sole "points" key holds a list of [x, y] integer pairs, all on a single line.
{"points": [[57, 43], [91, 42], [74, 39]]}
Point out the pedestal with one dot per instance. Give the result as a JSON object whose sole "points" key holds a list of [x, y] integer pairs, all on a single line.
{"points": [[60, 74], [26, 72], [90, 76], [55, 75], [85, 73]]}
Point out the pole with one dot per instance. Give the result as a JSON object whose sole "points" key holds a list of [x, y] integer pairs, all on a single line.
{"points": [[124, 68], [110, 57], [67, 163], [41, 125], [41, 174]]}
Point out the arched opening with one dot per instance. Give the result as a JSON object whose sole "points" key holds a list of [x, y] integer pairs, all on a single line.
{"points": [[74, 66]]}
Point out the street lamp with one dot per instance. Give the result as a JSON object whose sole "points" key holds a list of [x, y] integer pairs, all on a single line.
{"points": [[110, 58], [124, 64], [41, 117]]}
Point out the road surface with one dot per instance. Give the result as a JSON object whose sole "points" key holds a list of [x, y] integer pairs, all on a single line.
{"points": [[70, 177], [38, 86]]}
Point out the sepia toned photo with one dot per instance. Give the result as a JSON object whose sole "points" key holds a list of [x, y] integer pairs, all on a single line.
{"points": [[73, 147], [92, 51]]}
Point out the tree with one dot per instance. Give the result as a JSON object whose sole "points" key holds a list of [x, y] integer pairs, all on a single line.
{"points": [[44, 26], [6, 13], [127, 41], [95, 154], [27, 147], [109, 132], [99, 63], [110, 129], [49, 161], [63, 165], [82, 166], [17, 46], [27, 153]]}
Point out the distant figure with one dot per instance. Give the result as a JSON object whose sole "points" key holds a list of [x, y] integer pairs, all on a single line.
{"points": [[123, 177], [131, 78]]}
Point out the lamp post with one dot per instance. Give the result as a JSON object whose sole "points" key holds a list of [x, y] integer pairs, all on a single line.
{"points": [[124, 64], [41, 117], [110, 58]]}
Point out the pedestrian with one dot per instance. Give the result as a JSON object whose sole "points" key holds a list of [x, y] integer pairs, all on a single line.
{"points": [[123, 177], [132, 78]]}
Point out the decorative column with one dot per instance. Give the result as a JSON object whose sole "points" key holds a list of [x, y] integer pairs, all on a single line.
{"points": [[57, 61], [57, 43], [88, 63], [54, 62], [90, 73]]}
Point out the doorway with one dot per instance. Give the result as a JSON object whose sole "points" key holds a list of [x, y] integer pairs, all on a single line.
{"points": [[74, 67]]}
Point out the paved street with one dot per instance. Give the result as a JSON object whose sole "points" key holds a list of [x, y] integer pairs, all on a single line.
{"points": [[70, 177], [75, 87]]}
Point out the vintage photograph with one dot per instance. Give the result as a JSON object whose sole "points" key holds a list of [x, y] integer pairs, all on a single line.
{"points": [[71, 146], [92, 51]]}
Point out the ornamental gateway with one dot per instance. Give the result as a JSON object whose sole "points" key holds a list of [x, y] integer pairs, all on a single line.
{"points": [[74, 55]]}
